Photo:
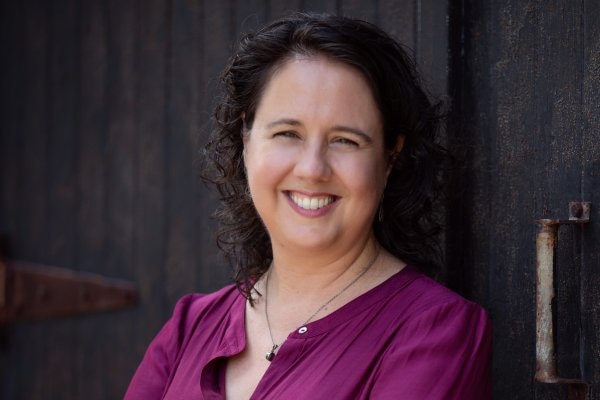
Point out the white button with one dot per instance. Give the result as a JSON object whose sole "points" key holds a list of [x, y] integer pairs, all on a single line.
{"points": [[303, 330]]}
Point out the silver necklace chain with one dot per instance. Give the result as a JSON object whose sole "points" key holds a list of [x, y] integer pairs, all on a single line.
{"points": [[271, 354]]}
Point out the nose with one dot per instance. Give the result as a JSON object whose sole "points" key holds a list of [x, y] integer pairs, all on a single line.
{"points": [[312, 163]]}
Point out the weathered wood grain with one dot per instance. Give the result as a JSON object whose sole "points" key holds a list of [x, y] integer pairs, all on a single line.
{"points": [[183, 124], [150, 218], [56, 366], [12, 43], [29, 239], [90, 359], [590, 161], [522, 100], [120, 165]]}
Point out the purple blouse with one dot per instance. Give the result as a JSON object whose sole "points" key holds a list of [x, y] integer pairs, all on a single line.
{"points": [[408, 338]]}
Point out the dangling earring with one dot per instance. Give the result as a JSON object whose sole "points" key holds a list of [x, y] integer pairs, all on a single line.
{"points": [[380, 213]]}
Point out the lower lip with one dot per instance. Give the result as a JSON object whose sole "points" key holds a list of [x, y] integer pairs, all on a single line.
{"points": [[319, 212]]}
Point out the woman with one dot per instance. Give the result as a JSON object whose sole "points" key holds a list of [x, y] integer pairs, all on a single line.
{"points": [[325, 159]]}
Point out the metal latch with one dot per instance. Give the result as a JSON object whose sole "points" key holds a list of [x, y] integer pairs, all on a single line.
{"points": [[546, 241]]}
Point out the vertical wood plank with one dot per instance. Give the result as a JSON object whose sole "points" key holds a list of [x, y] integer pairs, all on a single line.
{"points": [[29, 240], [124, 71], [92, 360], [510, 264], [432, 44], [559, 105], [398, 19], [280, 8], [61, 237], [496, 96], [590, 155], [151, 196], [217, 41], [365, 10], [184, 217], [526, 167], [12, 103], [320, 6], [121, 199], [248, 16]]}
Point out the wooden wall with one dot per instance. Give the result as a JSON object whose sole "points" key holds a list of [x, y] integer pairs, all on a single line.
{"points": [[103, 103], [526, 79]]}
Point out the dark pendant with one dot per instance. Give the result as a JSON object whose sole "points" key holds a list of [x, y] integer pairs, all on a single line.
{"points": [[271, 355]]}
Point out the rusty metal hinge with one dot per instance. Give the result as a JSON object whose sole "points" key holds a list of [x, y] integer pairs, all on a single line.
{"points": [[33, 291], [546, 241]]}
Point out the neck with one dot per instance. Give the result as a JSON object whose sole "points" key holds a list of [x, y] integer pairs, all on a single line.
{"points": [[313, 277]]}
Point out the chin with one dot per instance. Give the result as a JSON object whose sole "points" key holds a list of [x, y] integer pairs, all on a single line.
{"points": [[310, 242]]}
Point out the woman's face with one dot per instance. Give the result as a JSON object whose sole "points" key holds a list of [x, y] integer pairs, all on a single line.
{"points": [[315, 157]]}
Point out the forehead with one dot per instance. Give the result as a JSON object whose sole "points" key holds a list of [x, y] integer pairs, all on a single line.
{"points": [[318, 87]]}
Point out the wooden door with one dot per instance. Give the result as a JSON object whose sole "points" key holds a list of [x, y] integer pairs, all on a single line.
{"points": [[526, 79], [103, 103]]}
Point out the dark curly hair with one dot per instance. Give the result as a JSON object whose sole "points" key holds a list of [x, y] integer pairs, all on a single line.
{"points": [[410, 226]]}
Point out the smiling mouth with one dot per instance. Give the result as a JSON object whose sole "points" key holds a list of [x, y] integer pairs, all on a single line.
{"points": [[311, 202]]}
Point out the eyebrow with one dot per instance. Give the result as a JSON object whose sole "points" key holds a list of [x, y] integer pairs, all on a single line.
{"points": [[283, 121], [343, 128]]}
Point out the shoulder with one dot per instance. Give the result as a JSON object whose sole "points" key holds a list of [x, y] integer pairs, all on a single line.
{"points": [[153, 374], [424, 298], [442, 342], [196, 306]]}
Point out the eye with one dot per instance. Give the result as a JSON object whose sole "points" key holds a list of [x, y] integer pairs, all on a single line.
{"points": [[346, 142], [286, 134]]}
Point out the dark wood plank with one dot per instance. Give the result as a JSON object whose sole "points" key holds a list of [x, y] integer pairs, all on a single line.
{"points": [[135, 237], [280, 8], [320, 6], [524, 168], [248, 16], [432, 44], [217, 41], [183, 213], [361, 9], [496, 102], [57, 368], [92, 360], [558, 110], [398, 19], [124, 71], [12, 103], [590, 155], [30, 241]]}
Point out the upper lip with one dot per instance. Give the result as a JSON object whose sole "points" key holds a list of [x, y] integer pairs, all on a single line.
{"points": [[310, 194]]}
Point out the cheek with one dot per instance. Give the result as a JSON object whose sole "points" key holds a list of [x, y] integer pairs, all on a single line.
{"points": [[362, 175], [265, 166]]}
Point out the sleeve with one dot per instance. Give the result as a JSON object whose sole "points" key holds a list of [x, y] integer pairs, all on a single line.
{"points": [[153, 374], [443, 354]]}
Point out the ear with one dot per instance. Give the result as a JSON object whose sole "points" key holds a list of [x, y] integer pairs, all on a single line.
{"points": [[399, 144], [394, 154]]}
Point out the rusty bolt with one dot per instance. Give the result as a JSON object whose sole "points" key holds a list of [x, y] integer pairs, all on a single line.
{"points": [[576, 210]]}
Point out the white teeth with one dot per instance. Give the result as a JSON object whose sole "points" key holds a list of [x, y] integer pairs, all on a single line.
{"points": [[311, 203], [305, 203]]}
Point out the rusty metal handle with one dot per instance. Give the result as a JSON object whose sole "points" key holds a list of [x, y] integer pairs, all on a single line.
{"points": [[546, 240]]}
